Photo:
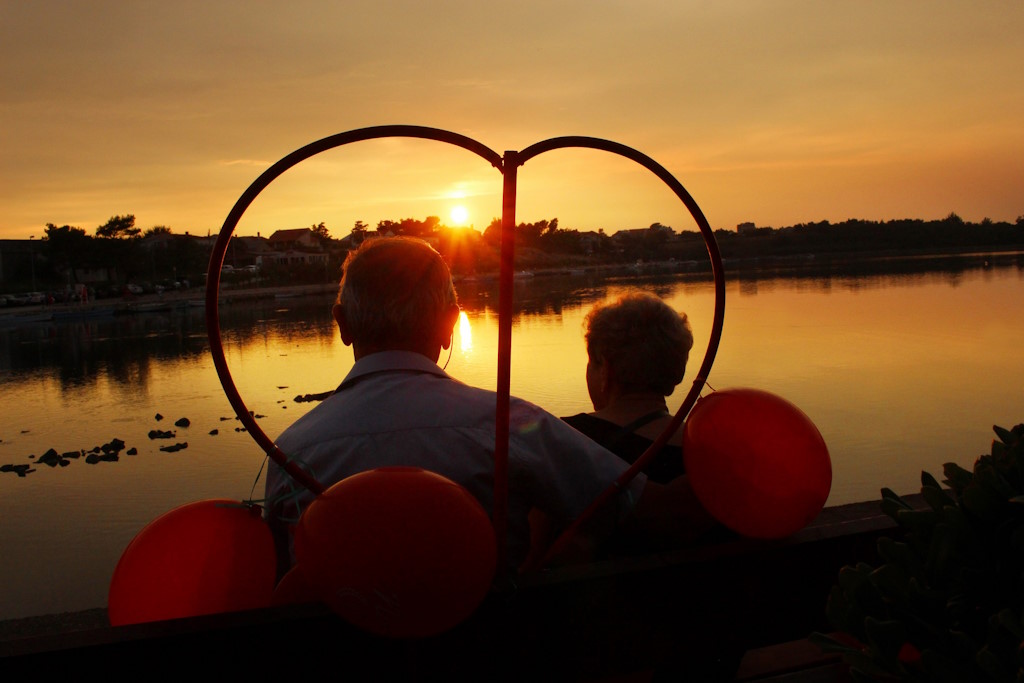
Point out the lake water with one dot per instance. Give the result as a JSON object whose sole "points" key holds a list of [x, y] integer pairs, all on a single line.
{"points": [[901, 372]]}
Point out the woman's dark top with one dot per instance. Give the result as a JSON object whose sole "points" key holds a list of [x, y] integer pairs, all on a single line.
{"points": [[666, 466], [625, 443]]}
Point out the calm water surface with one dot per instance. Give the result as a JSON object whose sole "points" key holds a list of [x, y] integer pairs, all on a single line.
{"points": [[900, 373]]}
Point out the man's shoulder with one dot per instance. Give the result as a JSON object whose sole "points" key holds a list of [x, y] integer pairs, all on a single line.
{"points": [[530, 422], [393, 401]]}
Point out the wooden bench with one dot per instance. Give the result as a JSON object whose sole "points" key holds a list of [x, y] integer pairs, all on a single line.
{"points": [[740, 609]]}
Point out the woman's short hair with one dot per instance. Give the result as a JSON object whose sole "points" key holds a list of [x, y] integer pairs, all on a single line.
{"points": [[645, 342], [394, 290]]}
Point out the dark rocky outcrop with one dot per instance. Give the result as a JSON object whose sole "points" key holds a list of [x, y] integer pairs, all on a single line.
{"points": [[20, 470]]}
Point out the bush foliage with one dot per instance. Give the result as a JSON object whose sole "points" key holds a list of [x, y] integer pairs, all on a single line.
{"points": [[947, 604]]}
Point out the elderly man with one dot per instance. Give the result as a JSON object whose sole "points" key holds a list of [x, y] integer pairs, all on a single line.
{"points": [[397, 308]]}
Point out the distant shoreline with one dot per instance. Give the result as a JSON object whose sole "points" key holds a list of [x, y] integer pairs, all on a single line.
{"points": [[832, 263]]}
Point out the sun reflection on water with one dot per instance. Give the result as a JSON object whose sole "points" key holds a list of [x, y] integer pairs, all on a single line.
{"points": [[465, 333]]}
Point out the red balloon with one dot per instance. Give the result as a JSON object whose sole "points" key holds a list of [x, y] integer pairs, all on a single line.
{"points": [[201, 558], [397, 551], [293, 589], [756, 462]]}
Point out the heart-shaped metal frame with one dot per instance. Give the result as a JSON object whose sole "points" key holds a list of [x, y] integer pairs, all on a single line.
{"points": [[508, 165]]}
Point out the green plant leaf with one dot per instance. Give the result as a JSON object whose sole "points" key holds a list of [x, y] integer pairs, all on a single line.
{"points": [[842, 614], [887, 637], [957, 477], [1004, 435], [1012, 624], [983, 502], [830, 645], [867, 663], [900, 554], [889, 494], [962, 645], [928, 480], [864, 597], [989, 662], [892, 582], [943, 669], [852, 577], [954, 516], [936, 498], [918, 522], [892, 504], [945, 556], [922, 593], [994, 479]]}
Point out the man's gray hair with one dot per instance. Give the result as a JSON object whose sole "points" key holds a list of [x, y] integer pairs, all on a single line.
{"points": [[394, 291]]}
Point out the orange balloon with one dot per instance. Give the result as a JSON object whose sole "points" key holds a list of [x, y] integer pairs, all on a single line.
{"points": [[756, 462], [397, 551], [201, 558]]}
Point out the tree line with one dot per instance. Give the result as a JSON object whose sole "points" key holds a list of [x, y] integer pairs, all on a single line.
{"points": [[118, 244], [116, 247]]}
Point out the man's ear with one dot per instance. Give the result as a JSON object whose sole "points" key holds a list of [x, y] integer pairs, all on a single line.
{"points": [[339, 317], [448, 320]]}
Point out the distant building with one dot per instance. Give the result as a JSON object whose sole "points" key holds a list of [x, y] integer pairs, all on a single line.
{"points": [[640, 233], [248, 251], [746, 228], [292, 257], [299, 238]]}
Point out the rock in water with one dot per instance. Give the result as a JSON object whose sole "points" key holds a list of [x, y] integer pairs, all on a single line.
{"points": [[51, 458], [20, 470]]}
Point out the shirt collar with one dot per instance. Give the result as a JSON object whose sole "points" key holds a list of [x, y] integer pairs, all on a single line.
{"points": [[384, 361]]}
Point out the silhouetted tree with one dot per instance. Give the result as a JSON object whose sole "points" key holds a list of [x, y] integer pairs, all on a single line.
{"points": [[358, 233], [67, 247], [320, 232], [492, 233], [118, 227]]}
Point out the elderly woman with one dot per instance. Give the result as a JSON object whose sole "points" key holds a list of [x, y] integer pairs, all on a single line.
{"points": [[638, 347]]}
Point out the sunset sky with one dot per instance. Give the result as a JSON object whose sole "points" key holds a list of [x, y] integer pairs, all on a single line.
{"points": [[774, 112]]}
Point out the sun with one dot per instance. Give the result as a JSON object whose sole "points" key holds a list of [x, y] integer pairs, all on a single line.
{"points": [[459, 215]]}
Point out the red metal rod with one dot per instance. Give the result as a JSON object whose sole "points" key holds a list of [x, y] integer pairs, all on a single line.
{"points": [[506, 273], [230, 390]]}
